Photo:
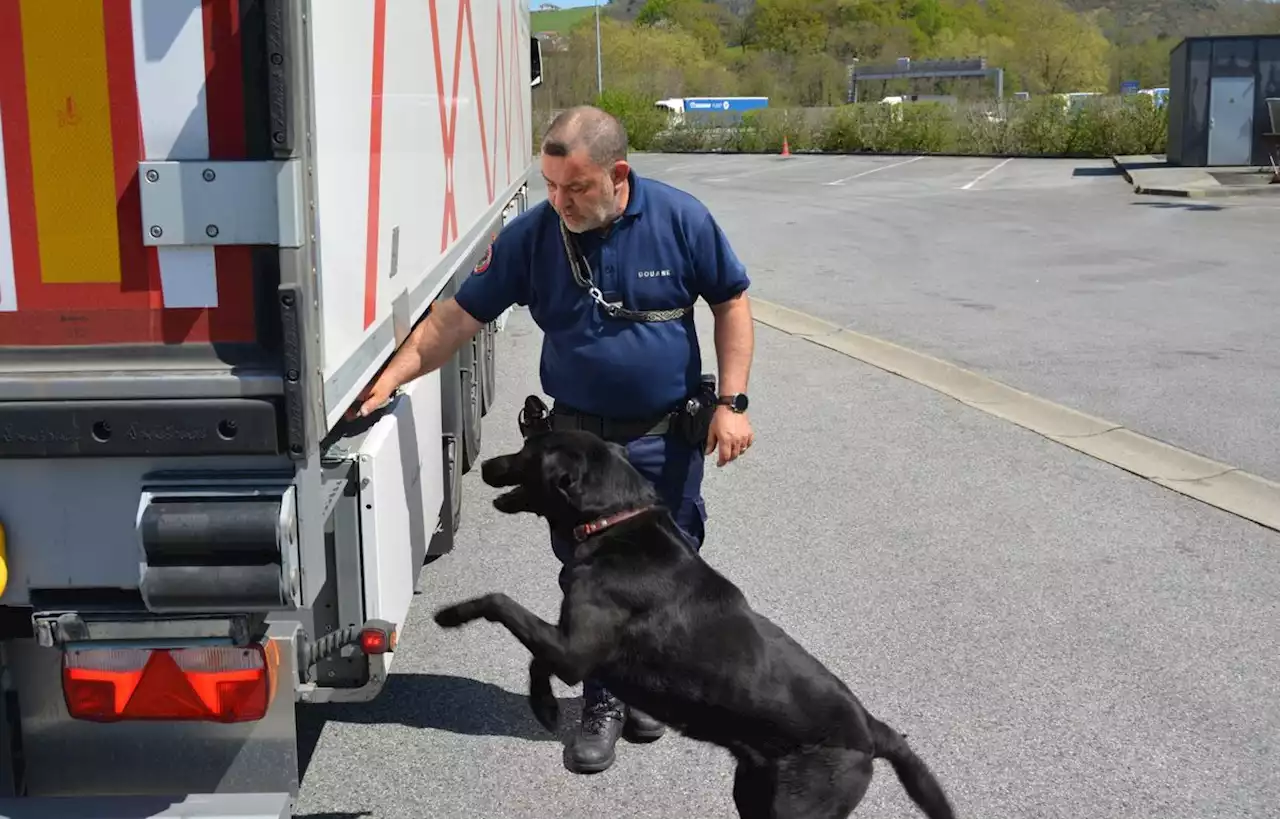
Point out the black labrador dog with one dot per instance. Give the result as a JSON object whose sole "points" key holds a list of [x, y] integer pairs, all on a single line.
{"points": [[671, 636]]}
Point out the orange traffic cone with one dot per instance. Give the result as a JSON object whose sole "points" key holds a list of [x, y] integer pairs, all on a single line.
{"points": [[786, 147]]}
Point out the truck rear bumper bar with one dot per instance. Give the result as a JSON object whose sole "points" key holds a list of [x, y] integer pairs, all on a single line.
{"points": [[199, 806]]}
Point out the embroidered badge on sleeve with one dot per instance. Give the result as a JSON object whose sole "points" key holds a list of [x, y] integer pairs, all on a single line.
{"points": [[483, 264]]}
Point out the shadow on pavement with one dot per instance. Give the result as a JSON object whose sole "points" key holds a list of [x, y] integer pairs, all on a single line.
{"points": [[440, 702], [1111, 170], [1200, 206]]}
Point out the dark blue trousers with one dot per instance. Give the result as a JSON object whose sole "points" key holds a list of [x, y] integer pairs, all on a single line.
{"points": [[675, 468]]}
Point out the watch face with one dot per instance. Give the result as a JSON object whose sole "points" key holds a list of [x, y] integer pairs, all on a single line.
{"points": [[738, 403]]}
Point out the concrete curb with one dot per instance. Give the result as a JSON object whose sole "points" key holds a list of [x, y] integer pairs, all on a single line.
{"points": [[1196, 193], [1212, 193], [1217, 484], [1128, 177]]}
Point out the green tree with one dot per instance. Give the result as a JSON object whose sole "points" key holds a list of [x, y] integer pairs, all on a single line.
{"points": [[929, 16], [789, 26], [706, 21], [1055, 50], [649, 61], [1146, 62]]}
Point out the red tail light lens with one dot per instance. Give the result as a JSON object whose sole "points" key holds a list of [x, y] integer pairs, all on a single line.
{"points": [[377, 637], [207, 683]]}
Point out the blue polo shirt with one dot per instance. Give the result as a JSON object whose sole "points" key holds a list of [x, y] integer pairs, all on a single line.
{"points": [[664, 252]]}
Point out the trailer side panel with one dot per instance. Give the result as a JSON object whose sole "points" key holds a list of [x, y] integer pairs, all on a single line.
{"points": [[422, 138]]}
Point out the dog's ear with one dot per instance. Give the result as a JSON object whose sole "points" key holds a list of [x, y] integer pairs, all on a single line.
{"points": [[564, 471]]}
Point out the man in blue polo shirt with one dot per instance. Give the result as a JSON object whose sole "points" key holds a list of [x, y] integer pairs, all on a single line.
{"points": [[610, 267]]}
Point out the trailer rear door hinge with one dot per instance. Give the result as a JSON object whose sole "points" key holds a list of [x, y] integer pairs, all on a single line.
{"points": [[201, 203]]}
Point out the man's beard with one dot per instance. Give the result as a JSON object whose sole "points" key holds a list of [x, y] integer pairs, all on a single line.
{"points": [[602, 215]]}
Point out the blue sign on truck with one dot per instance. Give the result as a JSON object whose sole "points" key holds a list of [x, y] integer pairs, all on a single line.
{"points": [[716, 110], [735, 104], [720, 110]]}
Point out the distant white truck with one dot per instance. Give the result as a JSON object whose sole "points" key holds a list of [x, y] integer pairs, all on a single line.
{"points": [[218, 221], [1160, 96], [720, 110]]}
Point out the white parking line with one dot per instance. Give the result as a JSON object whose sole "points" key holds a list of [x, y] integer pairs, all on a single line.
{"points": [[782, 163], [682, 167], [985, 174], [873, 170]]}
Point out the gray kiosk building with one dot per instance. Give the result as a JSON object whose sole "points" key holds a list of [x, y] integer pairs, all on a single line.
{"points": [[1224, 93]]}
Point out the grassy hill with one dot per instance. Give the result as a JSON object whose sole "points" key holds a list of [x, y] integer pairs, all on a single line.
{"points": [[558, 21], [1120, 19], [1138, 19]]}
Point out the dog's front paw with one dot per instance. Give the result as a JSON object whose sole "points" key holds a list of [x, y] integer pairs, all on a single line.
{"points": [[547, 711], [458, 615], [542, 700]]}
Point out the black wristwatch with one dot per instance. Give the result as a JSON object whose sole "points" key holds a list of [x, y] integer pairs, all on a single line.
{"points": [[736, 402]]}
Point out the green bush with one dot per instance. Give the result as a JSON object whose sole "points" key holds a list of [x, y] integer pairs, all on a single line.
{"points": [[1043, 126], [637, 113]]}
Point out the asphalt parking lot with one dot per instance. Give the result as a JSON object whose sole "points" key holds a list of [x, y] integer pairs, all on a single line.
{"points": [[1057, 637], [1049, 275]]}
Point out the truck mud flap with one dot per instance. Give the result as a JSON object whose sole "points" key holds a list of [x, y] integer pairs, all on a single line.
{"points": [[201, 806]]}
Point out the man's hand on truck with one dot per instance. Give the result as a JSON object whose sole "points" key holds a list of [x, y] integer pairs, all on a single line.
{"points": [[433, 342]]}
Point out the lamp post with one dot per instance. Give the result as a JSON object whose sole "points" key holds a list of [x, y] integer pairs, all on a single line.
{"points": [[599, 65]]}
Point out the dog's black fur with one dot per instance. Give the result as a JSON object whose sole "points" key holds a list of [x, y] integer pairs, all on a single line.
{"points": [[671, 636]]}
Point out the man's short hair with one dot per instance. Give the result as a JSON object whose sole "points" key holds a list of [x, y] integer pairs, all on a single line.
{"points": [[603, 135]]}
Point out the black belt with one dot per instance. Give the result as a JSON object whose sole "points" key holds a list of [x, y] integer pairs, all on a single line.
{"points": [[613, 429]]}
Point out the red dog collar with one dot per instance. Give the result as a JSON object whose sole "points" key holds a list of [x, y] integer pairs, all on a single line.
{"points": [[586, 530]]}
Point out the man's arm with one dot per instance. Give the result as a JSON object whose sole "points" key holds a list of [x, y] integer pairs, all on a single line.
{"points": [[730, 431], [735, 343], [433, 342], [497, 281], [723, 283]]}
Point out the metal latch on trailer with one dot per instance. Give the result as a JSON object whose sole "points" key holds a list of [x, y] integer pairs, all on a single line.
{"points": [[192, 202]]}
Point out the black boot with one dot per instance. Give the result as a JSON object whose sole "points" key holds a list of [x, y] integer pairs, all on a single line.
{"points": [[602, 719], [640, 727]]}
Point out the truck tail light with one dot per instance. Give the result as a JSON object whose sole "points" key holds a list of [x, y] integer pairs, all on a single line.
{"points": [[205, 683], [377, 637]]}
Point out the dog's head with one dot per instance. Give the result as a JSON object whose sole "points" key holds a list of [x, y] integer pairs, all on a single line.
{"points": [[568, 477]]}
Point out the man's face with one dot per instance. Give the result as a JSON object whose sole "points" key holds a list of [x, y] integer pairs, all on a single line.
{"points": [[584, 194]]}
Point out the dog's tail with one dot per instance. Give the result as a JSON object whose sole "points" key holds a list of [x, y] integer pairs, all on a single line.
{"points": [[916, 778]]}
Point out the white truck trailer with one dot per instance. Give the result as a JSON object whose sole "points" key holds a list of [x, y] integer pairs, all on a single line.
{"points": [[218, 220]]}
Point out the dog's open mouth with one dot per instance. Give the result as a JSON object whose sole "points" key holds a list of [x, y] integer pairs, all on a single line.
{"points": [[517, 500]]}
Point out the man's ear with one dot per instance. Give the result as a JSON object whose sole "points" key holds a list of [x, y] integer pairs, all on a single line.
{"points": [[621, 169]]}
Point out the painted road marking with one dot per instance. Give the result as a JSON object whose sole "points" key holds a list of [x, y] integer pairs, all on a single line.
{"points": [[781, 163], [1217, 484], [873, 170], [985, 174], [683, 166]]}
